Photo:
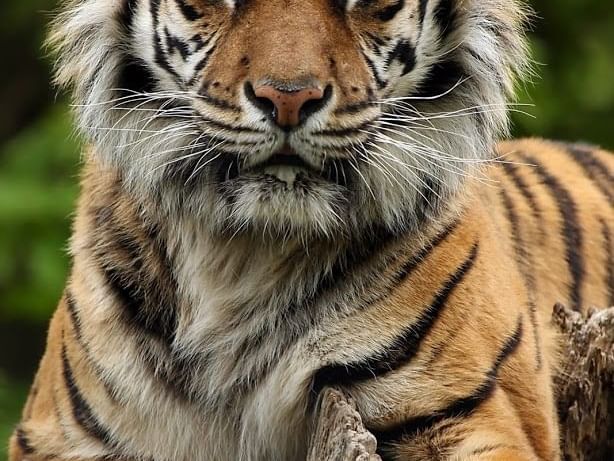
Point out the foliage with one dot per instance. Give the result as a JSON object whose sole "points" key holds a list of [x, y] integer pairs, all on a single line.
{"points": [[573, 92], [572, 98], [38, 177]]}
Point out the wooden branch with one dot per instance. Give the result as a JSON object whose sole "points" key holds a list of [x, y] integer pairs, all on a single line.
{"points": [[340, 434], [585, 384], [585, 392]]}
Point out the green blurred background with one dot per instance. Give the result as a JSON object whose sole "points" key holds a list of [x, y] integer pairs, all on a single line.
{"points": [[573, 43]]}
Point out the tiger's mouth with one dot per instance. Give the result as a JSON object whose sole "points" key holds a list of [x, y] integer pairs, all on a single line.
{"points": [[286, 166], [286, 156], [285, 170]]}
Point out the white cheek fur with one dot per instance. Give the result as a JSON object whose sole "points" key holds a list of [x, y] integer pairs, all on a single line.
{"points": [[91, 43]]}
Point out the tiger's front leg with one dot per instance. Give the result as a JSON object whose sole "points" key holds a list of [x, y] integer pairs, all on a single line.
{"points": [[492, 432]]}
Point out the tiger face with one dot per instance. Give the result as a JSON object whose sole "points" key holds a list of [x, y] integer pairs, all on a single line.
{"points": [[309, 118]]}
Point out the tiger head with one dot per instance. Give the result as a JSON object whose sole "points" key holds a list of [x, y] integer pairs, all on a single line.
{"points": [[310, 118]]}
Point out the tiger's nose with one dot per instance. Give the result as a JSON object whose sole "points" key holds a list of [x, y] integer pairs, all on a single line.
{"points": [[288, 108]]}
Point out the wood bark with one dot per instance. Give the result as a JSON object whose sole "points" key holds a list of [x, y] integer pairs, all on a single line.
{"points": [[585, 391], [585, 384], [340, 434]]}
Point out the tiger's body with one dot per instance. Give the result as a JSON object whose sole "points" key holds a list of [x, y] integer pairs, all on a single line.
{"points": [[179, 338]]}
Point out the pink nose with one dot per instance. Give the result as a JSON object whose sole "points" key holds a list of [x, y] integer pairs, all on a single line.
{"points": [[288, 104]]}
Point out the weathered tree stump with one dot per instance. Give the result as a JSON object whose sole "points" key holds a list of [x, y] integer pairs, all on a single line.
{"points": [[585, 394], [340, 434], [585, 384]]}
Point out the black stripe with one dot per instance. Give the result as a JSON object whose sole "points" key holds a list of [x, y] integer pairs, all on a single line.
{"points": [[440, 79], [145, 293], [204, 96], [340, 6], [162, 60], [200, 66], [378, 80], [460, 408], [134, 74], [364, 250], [188, 11], [609, 252], [74, 316], [160, 57], [342, 132], [145, 316], [138, 274], [594, 169], [405, 53], [412, 264], [524, 261], [571, 230], [176, 44], [388, 13], [422, 9], [196, 76], [198, 42], [402, 349], [354, 108], [128, 293], [81, 410], [377, 42], [361, 253], [489, 449], [126, 14], [512, 217], [511, 171], [23, 441], [73, 311], [445, 16], [223, 126]]}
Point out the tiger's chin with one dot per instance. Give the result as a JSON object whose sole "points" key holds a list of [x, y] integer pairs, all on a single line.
{"points": [[283, 202]]}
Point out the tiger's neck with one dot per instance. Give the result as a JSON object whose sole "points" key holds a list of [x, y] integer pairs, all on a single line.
{"points": [[216, 327], [218, 300]]}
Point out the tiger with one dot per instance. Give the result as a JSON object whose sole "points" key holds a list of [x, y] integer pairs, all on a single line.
{"points": [[279, 197]]}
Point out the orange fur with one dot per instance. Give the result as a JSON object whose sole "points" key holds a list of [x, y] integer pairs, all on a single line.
{"points": [[205, 313], [518, 422]]}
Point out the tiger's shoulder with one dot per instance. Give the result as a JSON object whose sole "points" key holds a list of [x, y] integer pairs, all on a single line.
{"points": [[554, 203], [578, 162]]}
